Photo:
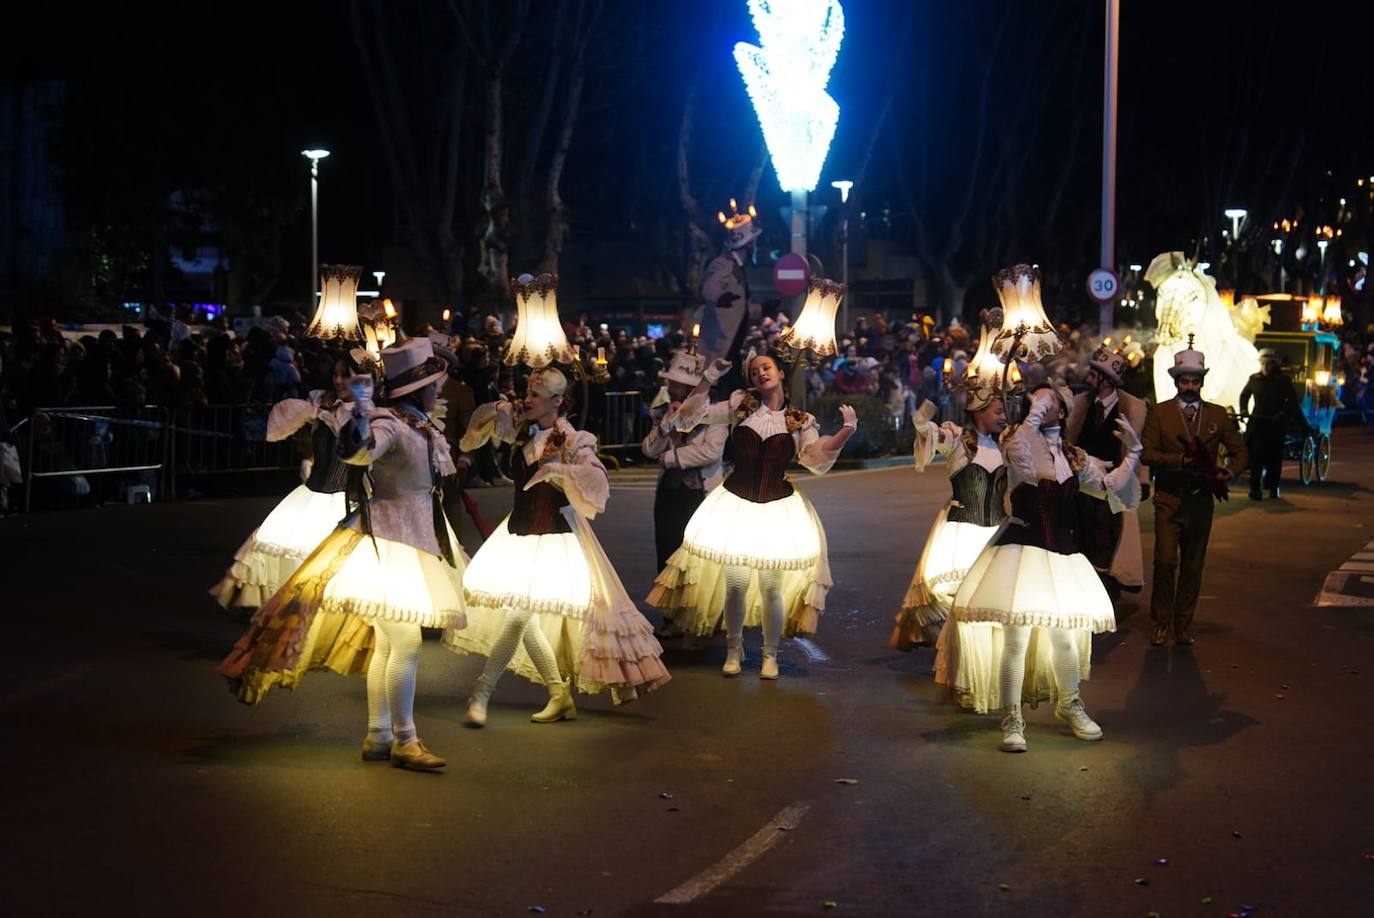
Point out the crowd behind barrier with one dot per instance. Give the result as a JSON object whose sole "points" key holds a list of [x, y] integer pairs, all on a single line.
{"points": [[179, 400]]}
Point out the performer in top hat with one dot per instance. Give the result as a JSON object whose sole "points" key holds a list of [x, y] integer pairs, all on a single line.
{"points": [[1181, 441], [394, 563], [543, 598], [757, 523], [727, 308], [1271, 389], [690, 460], [1111, 541]]}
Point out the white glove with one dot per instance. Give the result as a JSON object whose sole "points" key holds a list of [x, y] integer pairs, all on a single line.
{"points": [[1128, 435], [718, 368], [850, 417], [924, 414]]}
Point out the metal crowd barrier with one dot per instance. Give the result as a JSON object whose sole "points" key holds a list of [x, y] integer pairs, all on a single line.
{"points": [[68, 445], [624, 420], [220, 439]]}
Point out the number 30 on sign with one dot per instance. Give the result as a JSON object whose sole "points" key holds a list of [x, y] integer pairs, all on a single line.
{"points": [[1103, 285]]}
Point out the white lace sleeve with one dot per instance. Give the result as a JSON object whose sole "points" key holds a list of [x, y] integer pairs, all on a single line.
{"points": [[1120, 486], [584, 478], [288, 416], [494, 421], [699, 409], [811, 452], [933, 440]]}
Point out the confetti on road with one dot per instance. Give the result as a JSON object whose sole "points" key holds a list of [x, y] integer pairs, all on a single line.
{"points": [[846, 780]]}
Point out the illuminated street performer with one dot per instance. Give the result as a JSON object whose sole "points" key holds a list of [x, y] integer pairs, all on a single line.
{"points": [[395, 564], [754, 552], [543, 598], [1111, 540], [690, 460], [978, 480], [305, 516], [1182, 438], [1032, 601], [727, 309], [1275, 404]]}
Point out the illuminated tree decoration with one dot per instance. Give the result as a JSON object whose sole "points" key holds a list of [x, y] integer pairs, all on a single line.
{"points": [[786, 79]]}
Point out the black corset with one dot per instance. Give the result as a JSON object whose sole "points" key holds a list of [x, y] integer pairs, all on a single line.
{"points": [[978, 495], [760, 466], [536, 511], [328, 471], [1047, 515]]}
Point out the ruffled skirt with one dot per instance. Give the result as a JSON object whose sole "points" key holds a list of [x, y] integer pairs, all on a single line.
{"points": [[278, 546], [950, 550], [321, 617], [783, 535], [599, 638], [1018, 585]]}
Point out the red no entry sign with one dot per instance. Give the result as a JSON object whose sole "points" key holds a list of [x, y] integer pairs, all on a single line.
{"points": [[790, 274]]}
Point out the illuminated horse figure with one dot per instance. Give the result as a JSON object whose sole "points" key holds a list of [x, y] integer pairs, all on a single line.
{"points": [[1187, 303]]}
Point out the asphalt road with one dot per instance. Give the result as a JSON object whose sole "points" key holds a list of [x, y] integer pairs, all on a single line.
{"points": [[135, 784]]}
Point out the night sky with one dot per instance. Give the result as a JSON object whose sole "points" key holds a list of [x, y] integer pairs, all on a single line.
{"points": [[1222, 104]]}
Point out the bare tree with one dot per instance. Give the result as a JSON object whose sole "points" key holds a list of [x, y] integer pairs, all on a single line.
{"points": [[585, 24], [422, 148], [492, 53]]}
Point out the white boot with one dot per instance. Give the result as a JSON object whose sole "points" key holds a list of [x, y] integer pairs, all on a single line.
{"points": [[1070, 711], [769, 670], [1013, 730], [560, 706], [477, 703], [734, 657]]}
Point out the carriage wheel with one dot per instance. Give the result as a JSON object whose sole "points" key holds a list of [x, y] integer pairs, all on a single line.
{"points": [[1323, 457], [1307, 460]]}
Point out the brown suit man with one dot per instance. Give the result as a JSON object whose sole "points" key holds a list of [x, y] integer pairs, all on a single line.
{"points": [[1183, 493]]}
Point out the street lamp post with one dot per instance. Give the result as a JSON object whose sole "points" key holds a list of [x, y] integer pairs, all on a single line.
{"points": [[1111, 42], [314, 155], [844, 185], [1237, 215]]}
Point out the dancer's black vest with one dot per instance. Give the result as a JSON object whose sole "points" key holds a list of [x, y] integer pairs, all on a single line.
{"points": [[760, 465], [1044, 516], [536, 511], [978, 495], [328, 473]]}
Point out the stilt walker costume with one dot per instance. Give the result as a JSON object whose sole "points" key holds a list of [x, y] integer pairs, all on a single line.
{"points": [[305, 516], [543, 598], [1032, 601], [757, 523], [394, 564]]}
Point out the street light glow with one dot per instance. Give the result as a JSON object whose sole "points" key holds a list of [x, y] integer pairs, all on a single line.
{"points": [[844, 185], [1236, 213], [315, 155], [786, 75]]}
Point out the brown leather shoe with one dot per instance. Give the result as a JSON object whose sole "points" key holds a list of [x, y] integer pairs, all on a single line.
{"points": [[374, 751], [415, 756], [1184, 638], [1160, 636]]}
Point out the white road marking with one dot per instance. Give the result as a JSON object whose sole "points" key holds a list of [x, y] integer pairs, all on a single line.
{"points": [[1333, 592], [754, 848], [1356, 566], [811, 650]]}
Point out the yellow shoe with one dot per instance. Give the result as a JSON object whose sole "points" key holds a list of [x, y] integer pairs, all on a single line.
{"points": [[560, 706], [415, 756], [376, 750]]}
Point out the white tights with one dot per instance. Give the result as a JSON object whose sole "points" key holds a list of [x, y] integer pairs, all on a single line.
{"points": [[520, 629], [1015, 640], [391, 682], [737, 578]]}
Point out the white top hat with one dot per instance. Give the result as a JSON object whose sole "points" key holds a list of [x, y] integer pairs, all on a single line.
{"points": [[1188, 362], [1109, 363], [741, 228], [684, 368], [411, 366]]}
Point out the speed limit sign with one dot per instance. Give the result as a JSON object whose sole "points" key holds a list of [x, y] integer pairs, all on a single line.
{"points": [[1103, 285]]}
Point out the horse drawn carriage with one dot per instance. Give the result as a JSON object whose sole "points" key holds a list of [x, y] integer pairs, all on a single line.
{"points": [[1309, 358]]}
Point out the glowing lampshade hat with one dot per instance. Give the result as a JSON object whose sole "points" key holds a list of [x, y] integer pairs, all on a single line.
{"points": [[337, 315], [539, 339], [1026, 330], [740, 228], [814, 329]]}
